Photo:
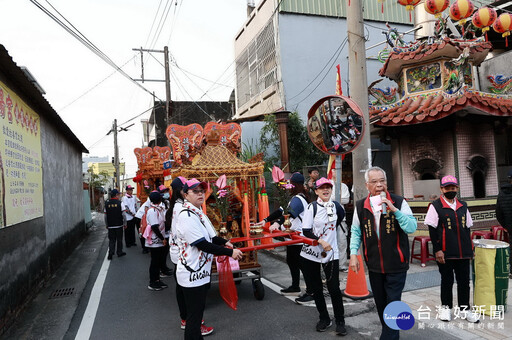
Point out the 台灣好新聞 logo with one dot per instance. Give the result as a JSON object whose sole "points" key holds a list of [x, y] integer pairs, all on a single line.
{"points": [[398, 316]]}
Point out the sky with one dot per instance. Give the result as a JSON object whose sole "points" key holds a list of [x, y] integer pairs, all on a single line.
{"points": [[89, 94]]}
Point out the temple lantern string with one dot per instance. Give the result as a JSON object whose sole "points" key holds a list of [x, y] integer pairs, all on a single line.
{"points": [[484, 18], [460, 11], [436, 7], [409, 6], [503, 25]]}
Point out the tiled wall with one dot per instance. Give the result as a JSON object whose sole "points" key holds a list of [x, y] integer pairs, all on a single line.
{"points": [[415, 147], [473, 140]]}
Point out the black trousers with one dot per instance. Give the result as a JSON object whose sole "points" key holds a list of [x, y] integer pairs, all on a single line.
{"points": [[129, 233], [461, 270], [387, 288], [157, 255], [165, 256], [115, 236], [313, 279], [180, 298], [195, 300], [293, 262]]}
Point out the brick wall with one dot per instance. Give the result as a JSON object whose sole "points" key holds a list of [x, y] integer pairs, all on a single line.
{"points": [[476, 140]]}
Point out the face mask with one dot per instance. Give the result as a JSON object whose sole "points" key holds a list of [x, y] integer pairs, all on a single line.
{"points": [[166, 195], [450, 194]]}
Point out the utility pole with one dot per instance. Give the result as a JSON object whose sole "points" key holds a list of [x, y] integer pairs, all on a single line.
{"points": [[362, 155], [167, 80], [116, 155]]}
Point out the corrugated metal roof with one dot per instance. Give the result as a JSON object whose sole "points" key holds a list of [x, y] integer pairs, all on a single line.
{"points": [[393, 12]]}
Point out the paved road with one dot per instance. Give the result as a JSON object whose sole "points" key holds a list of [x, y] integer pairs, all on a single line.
{"points": [[126, 309]]}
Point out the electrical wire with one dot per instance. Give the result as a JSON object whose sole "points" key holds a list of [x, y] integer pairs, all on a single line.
{"points": [[86, 42], [333, 57], [185, 91], [153, 24], [161, 24], [95, 86]]}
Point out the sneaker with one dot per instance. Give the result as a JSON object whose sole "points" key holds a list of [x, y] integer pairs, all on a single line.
{"points": [[122, 254], [290, 290], [163, 285], [322, 325], [205, 330], [166, 274], [344, 270], [184, 323], [340, 328], [471, 317], [510, 276], [154, 286], [445, 313], [109, 257], [304, 298]]}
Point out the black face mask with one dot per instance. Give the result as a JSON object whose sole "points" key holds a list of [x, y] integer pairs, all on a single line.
{"points": [[450, 194]]}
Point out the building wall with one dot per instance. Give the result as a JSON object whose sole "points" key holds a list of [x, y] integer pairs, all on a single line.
{"points": [[473, 140], [310, 47], [32, 250]]}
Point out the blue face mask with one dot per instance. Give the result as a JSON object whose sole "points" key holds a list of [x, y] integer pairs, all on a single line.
{"points": [[166, 196]]}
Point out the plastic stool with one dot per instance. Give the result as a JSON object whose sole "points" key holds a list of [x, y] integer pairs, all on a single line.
{"points": [[424, 255], [499, 233], [481, 234]]}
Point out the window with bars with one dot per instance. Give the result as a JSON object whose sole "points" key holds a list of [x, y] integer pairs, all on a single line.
{"points": [[256, 67]]}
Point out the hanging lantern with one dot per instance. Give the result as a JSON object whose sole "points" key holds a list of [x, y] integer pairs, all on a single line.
{"points": [[484, 18], [436, 7], [461, 10], [409, 6], [503, 25]]}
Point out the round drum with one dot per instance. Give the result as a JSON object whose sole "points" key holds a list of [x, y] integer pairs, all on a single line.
{"points": [[490, 275]]}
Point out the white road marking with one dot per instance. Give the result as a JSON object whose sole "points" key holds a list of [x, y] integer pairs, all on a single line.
{"points": [[84, 332], [277, 289]]}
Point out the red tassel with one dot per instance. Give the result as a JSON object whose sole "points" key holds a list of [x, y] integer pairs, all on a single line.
{"points": [[486, 37], [506, 41], [410, 17], [462, 31], [349, 3], [382, 7]]}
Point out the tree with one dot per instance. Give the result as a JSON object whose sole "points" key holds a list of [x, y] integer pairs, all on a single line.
{"points": [[98, 180], [301, 149]]}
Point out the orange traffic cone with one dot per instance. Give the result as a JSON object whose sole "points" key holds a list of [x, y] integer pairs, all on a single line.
{"points": [[356, 288]]}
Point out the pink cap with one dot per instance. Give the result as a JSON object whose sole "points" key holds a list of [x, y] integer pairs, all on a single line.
{"points": [[162, 188], [449, 180], [193, 183], [323, 181]]}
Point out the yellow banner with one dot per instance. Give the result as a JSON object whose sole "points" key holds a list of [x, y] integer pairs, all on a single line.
{"points": [[21, 177]]}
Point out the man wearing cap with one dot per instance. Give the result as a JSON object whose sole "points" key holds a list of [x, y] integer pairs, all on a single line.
{"points": [[448, 221], [114, 221], [504, 211], [381, 223], [129, 201]]}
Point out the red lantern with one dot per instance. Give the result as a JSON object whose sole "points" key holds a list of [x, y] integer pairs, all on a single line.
{"points": [[460, 10], [484, 18], [409, 5], [503, 25], [436, 7]]}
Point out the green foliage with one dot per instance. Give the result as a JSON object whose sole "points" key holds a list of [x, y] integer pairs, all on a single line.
{"points": [[250, 150], [301, 150], [98, 180]]}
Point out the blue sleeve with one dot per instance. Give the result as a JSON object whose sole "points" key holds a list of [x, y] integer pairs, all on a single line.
{"points": [[355, 236], [405, 218], [296, 207]]}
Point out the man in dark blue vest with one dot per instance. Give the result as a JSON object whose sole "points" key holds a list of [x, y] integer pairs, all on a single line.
{"points": [[115, 224], [381, 223], [448, 221]]}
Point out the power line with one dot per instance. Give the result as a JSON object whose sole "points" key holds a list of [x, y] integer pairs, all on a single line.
{"points": [[153, 24], [161, 24], [86, 42], [95, 86]]}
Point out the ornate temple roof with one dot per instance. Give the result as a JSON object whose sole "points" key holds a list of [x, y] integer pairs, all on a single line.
{"points": [[431, 106], [425, 50]]}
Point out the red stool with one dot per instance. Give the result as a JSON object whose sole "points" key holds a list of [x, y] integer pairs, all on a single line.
{"points": [[481, 234], [424, 254], [499, 233]]}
